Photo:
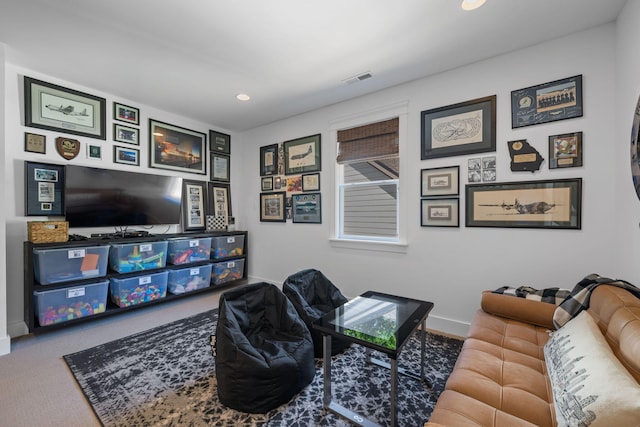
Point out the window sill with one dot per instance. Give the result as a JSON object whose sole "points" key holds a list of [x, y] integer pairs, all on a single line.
{"points": [[368, 245]]}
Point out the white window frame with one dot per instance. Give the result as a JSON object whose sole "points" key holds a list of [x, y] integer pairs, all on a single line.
{"points": [[399, 110]]}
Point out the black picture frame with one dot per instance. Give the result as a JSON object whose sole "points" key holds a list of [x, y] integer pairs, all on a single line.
{"points": [[302, 155], [220, 142], [44, 188], [126, 155], [443, 181], [528, 204], [194, 205], [126, 134], [440, 212], [219, 198], [266, 183], [306, 208], [220, 167], [126, 113], [565, 150], [311, 181], [464, 128], [273, 206], [547, 102], [176, 148], [53, 107], [269, 160]]}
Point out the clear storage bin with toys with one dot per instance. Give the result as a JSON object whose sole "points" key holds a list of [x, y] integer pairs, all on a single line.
{"points": [[134, 290], [185, 251], [189, 279], [227, 246], [131, 257], [69, 263], [62, 305], [227, 271]]}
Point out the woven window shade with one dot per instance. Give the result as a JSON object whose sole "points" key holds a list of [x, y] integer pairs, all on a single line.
{"points": [[370, 142]]}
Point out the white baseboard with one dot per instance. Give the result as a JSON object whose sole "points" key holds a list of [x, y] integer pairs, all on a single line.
{"points": [[5, 345], [448, 326], [17, 329]]}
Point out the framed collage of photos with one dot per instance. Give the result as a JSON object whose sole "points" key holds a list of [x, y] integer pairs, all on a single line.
{"points": [[194, 204], [44, 185]]}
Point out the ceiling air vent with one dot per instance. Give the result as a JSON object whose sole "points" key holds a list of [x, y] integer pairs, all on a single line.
{"points": [[358, 78]]}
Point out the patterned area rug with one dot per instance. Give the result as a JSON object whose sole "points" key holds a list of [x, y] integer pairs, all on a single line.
{"points": [[166, 377]]}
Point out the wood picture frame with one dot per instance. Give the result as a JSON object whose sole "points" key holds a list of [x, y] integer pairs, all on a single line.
{"points": [[306, 208], [528, 204], [547, 102], [565, 150], [273, 206], [176, 148], [464, 128], [53, 107], [443, 181], [125, 113], [126, 155], [302, 155], [126, 134], [440, 212], [44, 188], [219, 142], [194, 205], [269, 160]]}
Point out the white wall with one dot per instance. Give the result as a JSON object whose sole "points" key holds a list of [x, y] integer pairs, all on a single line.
{"points": [[4, 182], [451, 266], [627, 243], [14, 172]]}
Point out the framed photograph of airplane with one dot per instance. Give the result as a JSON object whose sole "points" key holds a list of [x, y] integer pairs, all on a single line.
{"points": [[176, 148], [530, 204], [52, 107], [302, 155]]}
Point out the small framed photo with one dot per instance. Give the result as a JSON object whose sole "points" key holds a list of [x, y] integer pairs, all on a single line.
{"points": [[311, 182], [443, 181], [126, 155], [302, 155], [194, 194], [307, 208], [125, 113], [35, 143], [94, 152], [220, 167], [267, 183], [44, 184], [220, 142], [277, 182], [273, 207], [269, 160], [220, 200], [441, 212], [126, 134], [565, 150]]}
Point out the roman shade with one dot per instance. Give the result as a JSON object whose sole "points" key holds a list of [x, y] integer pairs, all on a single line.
{"points": [[369, 142]]}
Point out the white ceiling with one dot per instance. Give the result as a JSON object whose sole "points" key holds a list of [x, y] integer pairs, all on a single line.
{"points": [[191, 57]]}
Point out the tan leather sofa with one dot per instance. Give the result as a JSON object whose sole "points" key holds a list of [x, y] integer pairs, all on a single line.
{"points": [[500, 378]]}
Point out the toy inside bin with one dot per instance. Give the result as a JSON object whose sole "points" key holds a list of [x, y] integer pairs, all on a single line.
{"points": [[129, 257], [189, 279], [227, 271], [62, 305], [65, 264], [184, 251], [130, 291], [227, 246]]}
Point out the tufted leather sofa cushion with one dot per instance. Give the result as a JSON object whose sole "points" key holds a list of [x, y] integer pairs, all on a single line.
{"points": [[500, 378]]}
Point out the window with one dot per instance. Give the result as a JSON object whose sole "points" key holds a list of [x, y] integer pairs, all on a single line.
{"points": [[369, 182]]}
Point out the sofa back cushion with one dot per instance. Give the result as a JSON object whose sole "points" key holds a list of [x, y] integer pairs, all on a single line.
{"points": [[617, 314]]}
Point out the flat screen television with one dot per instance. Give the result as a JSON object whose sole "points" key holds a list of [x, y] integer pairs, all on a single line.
{"points": [[102, 197]]}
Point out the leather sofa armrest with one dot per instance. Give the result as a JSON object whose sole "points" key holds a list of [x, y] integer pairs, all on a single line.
{"points": [[522, 309], [430, 424]]}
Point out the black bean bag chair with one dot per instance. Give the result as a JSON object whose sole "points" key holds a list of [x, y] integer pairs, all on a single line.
{"points": [[313, 296], [264, 352]]}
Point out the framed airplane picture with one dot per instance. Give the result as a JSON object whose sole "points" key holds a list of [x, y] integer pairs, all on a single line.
{"points": [[302, 155]]}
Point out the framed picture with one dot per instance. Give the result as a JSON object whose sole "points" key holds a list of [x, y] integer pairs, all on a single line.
{"points": [[124, 113], [126, 155], [267, 183], [269, 160], [443, 181], [220, 167], [548, 102], [277, 182], [307, 208], [126, 134], [532, 204], [176, 148], [272, 206], [302, 155], [565, 150], [44, 184], [311, 182], [194, 194], [35, 143], [441, 212], [220, 200], [220, 142], [94, 152], [53, 107], [465, 128]]}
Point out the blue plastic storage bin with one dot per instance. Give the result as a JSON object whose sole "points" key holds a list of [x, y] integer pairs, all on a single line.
{"points": [[138, 289], [227, 246], [62, 305], [227, 271], [65, 264], [129, 257], [189, 279], [184, 251]]}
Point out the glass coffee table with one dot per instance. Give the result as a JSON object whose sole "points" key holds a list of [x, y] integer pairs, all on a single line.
{"points": [[380, 322]]}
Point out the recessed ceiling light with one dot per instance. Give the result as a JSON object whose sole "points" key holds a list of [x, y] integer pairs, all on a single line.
{"points": [[472, 4], [243, 97]]}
